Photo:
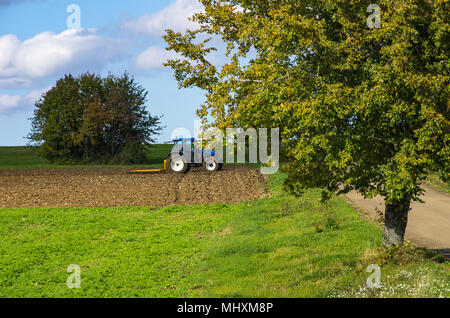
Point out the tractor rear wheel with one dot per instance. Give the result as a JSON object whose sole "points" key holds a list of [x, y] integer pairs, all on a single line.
{"points": [[211, 165], [178, 164]]}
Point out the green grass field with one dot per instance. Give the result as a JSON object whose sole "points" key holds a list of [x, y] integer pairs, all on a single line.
{"points": [[280, 246], [27, 158]]}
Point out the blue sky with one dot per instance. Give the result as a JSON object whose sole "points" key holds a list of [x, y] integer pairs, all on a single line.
{"points": [[37, 48]]}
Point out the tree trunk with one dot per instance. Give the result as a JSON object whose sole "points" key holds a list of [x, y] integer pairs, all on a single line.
{"points": [[395, 220]]}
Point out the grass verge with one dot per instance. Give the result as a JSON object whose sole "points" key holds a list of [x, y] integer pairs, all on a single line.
{"points": [[299, 247], [434, 181]]}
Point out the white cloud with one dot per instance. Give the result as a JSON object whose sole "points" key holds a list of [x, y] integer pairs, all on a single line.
{"points": [[174, 17], [8, 102], [12, 102], [152, 59], [49, 54]]}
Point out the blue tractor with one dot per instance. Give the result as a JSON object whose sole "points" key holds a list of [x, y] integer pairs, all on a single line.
{"points": [[179, 161]]}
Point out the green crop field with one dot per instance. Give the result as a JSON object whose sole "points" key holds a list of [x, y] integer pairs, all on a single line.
{"points": [[280, 246], [28, 158]]}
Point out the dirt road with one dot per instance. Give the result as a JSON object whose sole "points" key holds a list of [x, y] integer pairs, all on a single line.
{"points": [[115, 187], [428, 223]]}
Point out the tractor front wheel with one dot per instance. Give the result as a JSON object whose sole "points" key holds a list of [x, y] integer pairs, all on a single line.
{"points": [[178, 164]]}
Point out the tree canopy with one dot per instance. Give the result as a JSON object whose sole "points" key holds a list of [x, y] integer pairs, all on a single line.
{"points": [[93, 119], [359, 107]]}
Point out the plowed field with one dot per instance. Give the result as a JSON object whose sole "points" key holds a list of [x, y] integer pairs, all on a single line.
{"points": [[116, 187]]}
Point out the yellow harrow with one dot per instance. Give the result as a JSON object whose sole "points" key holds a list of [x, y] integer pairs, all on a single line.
{"points": [[152, 170]]}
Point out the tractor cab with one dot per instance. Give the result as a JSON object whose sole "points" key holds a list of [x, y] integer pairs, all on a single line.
{"points": [[186, 142], [185, 154]]}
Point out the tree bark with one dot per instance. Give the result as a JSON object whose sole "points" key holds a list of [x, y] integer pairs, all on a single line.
{"points": [[395, 220]]}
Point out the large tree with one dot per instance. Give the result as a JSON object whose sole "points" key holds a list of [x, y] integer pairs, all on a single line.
{"points": [[360, 106], [94, 119]]}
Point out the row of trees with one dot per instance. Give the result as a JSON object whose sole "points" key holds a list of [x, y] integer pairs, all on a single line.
{"points": [[90, 119]]}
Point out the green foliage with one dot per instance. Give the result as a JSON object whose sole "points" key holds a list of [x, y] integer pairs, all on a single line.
{"points": [[90, 119], [132, 153], [358, 108]]}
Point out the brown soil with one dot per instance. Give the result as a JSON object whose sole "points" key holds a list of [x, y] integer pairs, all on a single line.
{"points": [[116, 187]]}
